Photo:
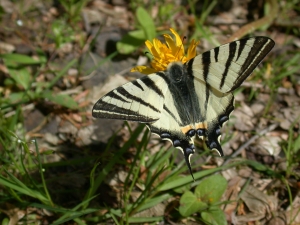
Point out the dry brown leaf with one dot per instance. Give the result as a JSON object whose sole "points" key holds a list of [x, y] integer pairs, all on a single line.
{"points": [[14, 213], [6, 48], [231, 194], [51, 138], [291, 217], [288, 116], [257, 108], [269, 144], [243, 118], [258, 203]]}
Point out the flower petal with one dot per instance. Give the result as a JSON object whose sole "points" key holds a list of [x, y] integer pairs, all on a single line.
{"points": [[152, 49], [157, 45], [191, 52], [177, 37], [143, 69], [179, 51], [170, 42], [165, 53]]}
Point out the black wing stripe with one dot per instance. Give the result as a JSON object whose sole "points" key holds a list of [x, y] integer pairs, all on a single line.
{"points": [[216, 50], [163, 76], [250, 57], [190, 67], [111, 110], [242, 45], [125, 93], [151, 84], [232, 51], [136, 83], [206, 60], [113, 95], [169, 112], [260, 48], [206, 99]]}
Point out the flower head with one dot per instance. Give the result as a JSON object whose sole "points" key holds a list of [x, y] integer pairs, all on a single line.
{"points": [[165, 53]]}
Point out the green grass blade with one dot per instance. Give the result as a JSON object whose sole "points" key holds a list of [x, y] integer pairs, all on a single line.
{"points": [[19, 186], [61, 73]]}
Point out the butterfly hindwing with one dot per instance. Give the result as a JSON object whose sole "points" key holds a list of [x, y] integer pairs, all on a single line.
{"points": [[170, 127]]}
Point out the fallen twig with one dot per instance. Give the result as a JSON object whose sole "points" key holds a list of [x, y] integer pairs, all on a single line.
{"points": [[250, 141], [264, 21]]}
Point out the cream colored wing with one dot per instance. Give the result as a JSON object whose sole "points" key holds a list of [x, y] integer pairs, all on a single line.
{"points": [[226, 67], [141, 100]]}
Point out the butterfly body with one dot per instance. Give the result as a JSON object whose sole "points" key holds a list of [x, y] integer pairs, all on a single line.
{"points": [[187, 99]]}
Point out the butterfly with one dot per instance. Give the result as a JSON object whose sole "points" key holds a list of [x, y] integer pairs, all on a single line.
{"points": [[188, 99]]}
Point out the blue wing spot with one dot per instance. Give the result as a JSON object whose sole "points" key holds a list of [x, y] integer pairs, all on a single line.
{"points": [[218, 131], [191, 133], [165, 135], [223, 119], [202, 132], [176, 143]]}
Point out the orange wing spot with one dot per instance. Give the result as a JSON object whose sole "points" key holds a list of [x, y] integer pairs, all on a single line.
{"points": [[186, 129], [202, 125]]}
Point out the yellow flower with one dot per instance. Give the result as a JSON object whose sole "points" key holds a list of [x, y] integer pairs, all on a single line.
{"points": [[165, 53]]}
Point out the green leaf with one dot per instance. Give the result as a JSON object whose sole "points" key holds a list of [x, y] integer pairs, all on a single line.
{"points": [[152, 202], [211, 189], [145, 220], [296, 145], [48, 152], [188, 179], [5, 221], [258, 166], [131, 41], [18, 97], [9, 82], [146, 21], [12, 59], [183, 188], [73, 215], [61, 99], [214, 216], [262, 168], [17, 185], [21, 76], [190, 204]]}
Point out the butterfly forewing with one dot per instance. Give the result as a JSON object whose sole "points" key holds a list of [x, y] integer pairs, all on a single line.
{"points": [[226, 67], [141, 100]]}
